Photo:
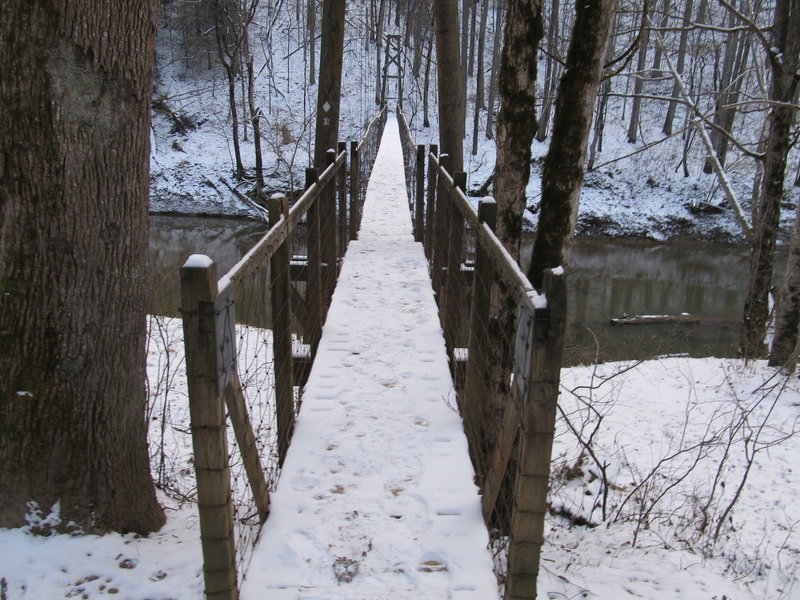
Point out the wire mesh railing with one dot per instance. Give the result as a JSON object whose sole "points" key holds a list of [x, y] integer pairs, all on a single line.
{"points": [[505, 342], [414, 166], [250, 337]]}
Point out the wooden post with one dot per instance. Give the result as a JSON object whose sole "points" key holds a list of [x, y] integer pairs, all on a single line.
{"points": [[209, 438], [431, 207], [314, 283], [355, 177], [341, 188], [455, 252], [281, 298], [440, 243], [328, 224], [546, 336], [419, 196], [475, 390]]}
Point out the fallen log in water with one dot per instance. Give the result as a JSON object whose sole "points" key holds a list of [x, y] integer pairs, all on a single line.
{"points": [[681, 319]]}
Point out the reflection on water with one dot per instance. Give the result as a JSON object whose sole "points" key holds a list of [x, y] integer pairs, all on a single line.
{"points": [[174, 238], [607, 279]]}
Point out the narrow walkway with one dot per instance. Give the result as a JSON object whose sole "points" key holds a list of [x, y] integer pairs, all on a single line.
{"points": [[376, 500]]}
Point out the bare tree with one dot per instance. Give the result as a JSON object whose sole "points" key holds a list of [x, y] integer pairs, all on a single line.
{"points": [[496, 48], [552, 68], [682, 45], [479, 76], [639, 76], [562, 174], [311, 21], [74, 141], [783, 53], [426, 122], [657, 55], [229, 31], [517, 120], [733, 73], [249, 9]]}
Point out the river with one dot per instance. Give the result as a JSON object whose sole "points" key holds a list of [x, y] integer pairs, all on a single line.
{"points": [[607, 279]]}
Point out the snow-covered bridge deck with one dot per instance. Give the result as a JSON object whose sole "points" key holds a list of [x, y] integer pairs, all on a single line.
{"points": [[376, 499]]}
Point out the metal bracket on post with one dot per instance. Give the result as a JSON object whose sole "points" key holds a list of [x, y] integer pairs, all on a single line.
{"points": [[523, 347]]}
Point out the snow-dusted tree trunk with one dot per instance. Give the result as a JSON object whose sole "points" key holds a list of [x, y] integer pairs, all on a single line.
{"points": [[74, 141], [516, 123], [562, 174], [451, 96], [785, 66], [784, 60]]}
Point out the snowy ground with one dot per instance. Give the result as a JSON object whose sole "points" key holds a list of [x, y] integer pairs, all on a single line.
{"points": [[756, 557]]}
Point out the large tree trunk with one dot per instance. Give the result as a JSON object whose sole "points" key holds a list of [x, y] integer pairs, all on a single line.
{"points": [[74, 142], [451, 98], [784, 64], [515, 128], [787, 317], [516, 123], [562, 174], [330, 80]]}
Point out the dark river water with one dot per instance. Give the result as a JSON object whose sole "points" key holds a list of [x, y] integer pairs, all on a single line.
{"points": [[607, 279]]}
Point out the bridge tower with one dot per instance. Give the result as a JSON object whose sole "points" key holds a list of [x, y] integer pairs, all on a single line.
{"points": [[393, 70]]}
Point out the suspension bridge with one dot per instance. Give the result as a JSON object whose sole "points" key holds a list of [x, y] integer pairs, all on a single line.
{"points": [[397, 476]]}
